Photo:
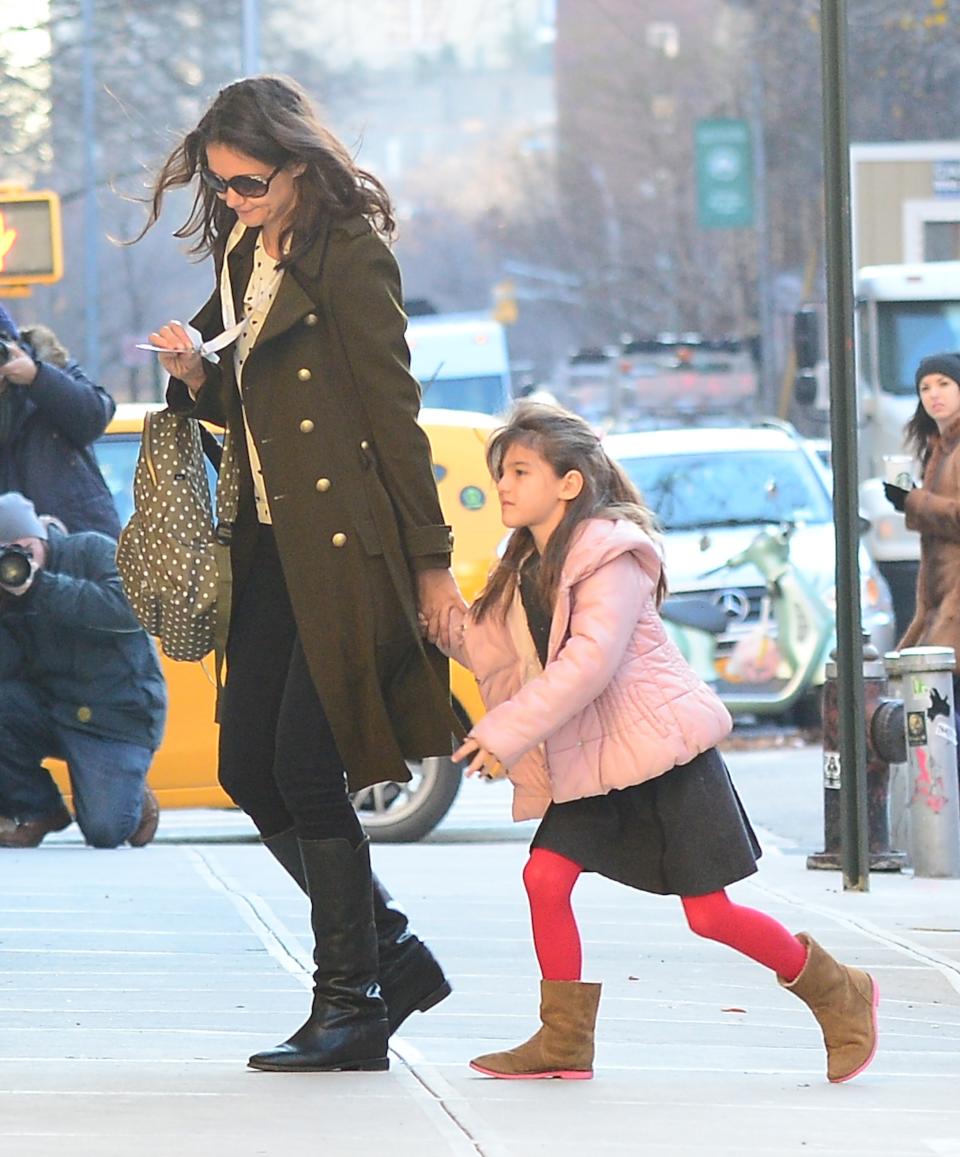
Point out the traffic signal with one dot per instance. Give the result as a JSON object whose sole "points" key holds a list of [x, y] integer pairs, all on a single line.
{"points": [[31, 247], [505, 302]]}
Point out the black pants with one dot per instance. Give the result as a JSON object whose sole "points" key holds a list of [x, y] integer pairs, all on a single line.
{"points": [[278, 757]]}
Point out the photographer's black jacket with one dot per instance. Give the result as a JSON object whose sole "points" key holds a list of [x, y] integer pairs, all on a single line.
{"points": [[50, 425], [73, 636]]}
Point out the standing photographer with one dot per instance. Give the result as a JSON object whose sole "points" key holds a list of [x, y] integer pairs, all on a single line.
{"points": [[50, 414], [79, 681]]}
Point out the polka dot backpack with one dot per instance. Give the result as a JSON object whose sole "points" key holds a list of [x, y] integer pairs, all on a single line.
{"points": [[173, 560]]}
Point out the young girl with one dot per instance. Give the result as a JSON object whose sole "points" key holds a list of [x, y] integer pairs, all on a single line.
{"points": [[608, 735]]}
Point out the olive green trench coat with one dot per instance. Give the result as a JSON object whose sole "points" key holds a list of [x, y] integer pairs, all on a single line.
{"points": [[332, 408]]}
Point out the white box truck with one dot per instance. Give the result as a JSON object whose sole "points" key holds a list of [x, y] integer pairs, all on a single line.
{"points": [[904, 312]]}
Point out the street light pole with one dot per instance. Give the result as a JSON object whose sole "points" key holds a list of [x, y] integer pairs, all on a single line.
{"points": [[250, 60], [843, 431], [91, 209]]}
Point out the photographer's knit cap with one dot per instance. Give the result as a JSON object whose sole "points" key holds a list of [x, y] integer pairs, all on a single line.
{"points": [[8, 327], [18, 518], [946, 363]]}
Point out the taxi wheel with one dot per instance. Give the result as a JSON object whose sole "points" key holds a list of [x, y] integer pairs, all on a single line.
{"points": [[401, 813]]}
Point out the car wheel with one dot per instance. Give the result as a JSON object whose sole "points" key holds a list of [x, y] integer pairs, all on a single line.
{"points": [[401, 813]]}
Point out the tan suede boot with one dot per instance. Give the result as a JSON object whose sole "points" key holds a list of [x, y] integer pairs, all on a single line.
{"points": [[562, 1046], [844, 1000]]}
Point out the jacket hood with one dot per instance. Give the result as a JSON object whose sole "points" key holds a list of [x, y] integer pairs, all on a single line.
{"points": [[600, 540]]}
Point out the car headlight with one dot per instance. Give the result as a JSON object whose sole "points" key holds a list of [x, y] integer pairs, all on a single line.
{"points": [[874, 594]]}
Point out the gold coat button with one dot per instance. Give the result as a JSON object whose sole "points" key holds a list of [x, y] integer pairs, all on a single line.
{"points": [[310, 319], [323, 485], [84, 714], [306, 426], [339, 539], [304, 374], [364, 445]]}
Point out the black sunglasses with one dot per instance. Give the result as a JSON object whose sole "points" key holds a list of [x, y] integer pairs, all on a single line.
{"points": [[247, 185]]}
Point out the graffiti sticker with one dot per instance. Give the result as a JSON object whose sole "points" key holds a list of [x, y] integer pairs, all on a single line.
{"points": [[831, 769], [945, 731], [916, 729]]}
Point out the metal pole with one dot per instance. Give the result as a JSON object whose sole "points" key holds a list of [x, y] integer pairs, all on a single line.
{"points": [[768, 391], [91, 209], [843, 431], [250, 62]]}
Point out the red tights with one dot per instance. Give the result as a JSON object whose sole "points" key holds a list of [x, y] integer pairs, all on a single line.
{"points": [[549, 879]]}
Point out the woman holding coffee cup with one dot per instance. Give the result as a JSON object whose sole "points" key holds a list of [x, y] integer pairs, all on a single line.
{"points": [[933, 435]]}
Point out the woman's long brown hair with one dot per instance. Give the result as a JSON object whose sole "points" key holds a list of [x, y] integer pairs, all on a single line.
{"points": [[271, 119], [919, 434], [566, 442]]}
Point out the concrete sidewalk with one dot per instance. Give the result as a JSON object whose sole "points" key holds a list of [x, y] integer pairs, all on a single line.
{"points": [[133, 985]]}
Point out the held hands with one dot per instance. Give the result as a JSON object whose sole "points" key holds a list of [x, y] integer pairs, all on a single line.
{"points": [[441, 605], [896, 495], [184, 360], [484, 763]]}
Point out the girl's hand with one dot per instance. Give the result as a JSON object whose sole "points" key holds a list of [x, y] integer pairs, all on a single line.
{"points": [[484, 763], [184, 360]]}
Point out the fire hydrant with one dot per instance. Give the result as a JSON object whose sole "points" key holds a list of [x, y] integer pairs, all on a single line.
{"points": [[880, 753]]}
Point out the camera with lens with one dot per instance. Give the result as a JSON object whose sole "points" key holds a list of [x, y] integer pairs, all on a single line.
{"points": [[16, 565]]}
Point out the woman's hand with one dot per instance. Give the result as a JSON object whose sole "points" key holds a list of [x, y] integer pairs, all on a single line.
{"points": [[896, 496], [184, 360], [483, 763], [439, 599]]}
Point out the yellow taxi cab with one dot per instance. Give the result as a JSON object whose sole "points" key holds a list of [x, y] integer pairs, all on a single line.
{"points": [[184, 770]]}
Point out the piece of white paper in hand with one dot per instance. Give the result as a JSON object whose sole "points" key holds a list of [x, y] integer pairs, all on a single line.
{"points": [[207, 349]]}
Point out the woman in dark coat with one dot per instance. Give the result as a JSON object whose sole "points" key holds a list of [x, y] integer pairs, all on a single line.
{"points": [[339, 539]]}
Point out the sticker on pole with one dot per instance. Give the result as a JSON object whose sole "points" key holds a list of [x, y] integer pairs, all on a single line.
{"points": [[916, 729], [831, 769]]}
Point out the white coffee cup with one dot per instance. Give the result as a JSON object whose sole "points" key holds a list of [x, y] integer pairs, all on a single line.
{"points": [[898, 470]]}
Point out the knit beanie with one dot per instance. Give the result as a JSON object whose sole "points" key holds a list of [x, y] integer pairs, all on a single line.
{"points": [[18, 518], [8, 327], [947, 364]]}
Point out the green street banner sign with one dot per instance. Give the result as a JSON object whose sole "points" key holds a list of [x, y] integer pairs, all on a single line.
{"points": [[724, 159]]}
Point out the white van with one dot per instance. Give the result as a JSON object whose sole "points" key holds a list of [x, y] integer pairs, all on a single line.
{"points": [[461, 361]]}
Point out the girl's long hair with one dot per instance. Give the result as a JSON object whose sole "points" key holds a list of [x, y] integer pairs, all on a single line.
{"points": [[566, 442], [917, 434], [271, 119]]}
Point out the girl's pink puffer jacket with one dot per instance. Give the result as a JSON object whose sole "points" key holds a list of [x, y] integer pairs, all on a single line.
{"points": [[616, 704]]}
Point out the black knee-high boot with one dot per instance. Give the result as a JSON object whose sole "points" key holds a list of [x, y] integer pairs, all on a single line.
{"points": [[411, 980], [347, 1027]]}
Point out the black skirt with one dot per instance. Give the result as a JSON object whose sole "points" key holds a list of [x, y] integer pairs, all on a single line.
{"points": [[684, 833]]}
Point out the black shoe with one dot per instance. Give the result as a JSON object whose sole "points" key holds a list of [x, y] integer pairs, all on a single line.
{"points": [[411, 980], [347, 1027]]}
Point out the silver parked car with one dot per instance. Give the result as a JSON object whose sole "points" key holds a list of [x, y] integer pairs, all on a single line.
{"points": [[713, 490]]}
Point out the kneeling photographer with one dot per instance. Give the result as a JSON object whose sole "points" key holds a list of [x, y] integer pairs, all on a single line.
{"points": [[79, 681]]}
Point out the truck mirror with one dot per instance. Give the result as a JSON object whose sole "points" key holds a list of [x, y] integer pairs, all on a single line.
{"points": [[805, 387], [806, 337]]}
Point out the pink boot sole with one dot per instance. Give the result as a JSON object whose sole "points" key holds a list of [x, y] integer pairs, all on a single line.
{"points": [[876, 1040], [561, 1074]]}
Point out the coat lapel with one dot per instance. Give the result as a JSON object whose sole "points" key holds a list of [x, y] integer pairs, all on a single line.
{"points": [[297, 295]]}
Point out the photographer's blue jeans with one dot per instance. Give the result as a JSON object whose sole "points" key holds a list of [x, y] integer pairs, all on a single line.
{"points": [[107, 775]]}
